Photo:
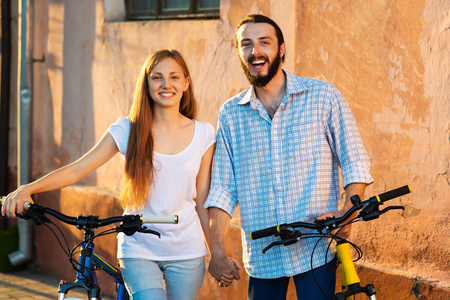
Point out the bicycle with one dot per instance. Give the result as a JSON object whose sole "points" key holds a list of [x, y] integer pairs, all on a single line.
{"points": [[89, 261], [368, 210]]}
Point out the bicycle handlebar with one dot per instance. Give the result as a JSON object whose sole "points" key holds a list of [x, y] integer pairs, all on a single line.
{"points": [[320, 225], [36, 213], [173, 219], [277, 229], [389, 195]]}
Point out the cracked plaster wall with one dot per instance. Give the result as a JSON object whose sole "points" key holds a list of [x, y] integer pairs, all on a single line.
{"points": [[390, 59]]}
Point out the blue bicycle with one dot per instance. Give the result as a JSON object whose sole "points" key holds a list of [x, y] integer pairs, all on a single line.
{"points": [[88, 260]]}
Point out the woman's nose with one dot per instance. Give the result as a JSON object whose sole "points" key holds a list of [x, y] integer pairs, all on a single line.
{"points": [[165, 83]]}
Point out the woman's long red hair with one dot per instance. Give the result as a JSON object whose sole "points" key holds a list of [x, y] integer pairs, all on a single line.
{"points": [[138, 173]]}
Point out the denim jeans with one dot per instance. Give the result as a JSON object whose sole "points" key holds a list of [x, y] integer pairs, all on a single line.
{"points": [[306, 286], [162, 280]]}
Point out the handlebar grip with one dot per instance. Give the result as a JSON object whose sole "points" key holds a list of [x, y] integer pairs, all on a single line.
{"points": [[26, 205], [159, 219], [264, 232], [393, 194]]}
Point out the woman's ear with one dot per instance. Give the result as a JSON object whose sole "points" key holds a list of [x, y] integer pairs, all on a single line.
{"points": [[188, 81]]}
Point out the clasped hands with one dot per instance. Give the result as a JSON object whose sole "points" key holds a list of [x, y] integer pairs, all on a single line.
{"points": [[224, 269]]}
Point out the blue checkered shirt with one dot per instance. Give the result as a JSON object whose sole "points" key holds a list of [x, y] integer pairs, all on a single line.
{"points": [[285, 169]]}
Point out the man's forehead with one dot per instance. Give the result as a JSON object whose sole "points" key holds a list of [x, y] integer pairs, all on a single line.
{"points": [[256, 31]]}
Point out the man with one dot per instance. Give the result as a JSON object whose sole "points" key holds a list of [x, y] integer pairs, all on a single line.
{"points": [[279, 146]]}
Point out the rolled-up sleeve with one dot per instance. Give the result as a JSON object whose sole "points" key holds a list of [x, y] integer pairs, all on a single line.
{"points": [[346, 143], [222, 193]]}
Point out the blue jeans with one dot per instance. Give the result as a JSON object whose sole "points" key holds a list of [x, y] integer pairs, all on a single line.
{"points": [[162, 280], [305, 285]]}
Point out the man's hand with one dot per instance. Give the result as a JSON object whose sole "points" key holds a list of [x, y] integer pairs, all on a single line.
{"points": [[224, 269], [227, 279], [350, 190], [342, 232]]}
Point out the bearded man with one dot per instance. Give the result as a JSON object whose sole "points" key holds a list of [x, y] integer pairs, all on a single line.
{"points": [[280, 145]]}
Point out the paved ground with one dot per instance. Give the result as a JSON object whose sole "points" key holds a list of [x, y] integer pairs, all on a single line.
{"points": [[26, 285]]}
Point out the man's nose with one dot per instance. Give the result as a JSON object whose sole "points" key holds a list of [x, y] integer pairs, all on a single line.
{"points": [[255, 50]]}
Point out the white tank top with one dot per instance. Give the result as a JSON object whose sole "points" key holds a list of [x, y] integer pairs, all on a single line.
{"points": [[172, 193]]}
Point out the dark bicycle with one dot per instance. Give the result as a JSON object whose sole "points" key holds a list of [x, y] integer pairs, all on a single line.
{"points": [[368, 210]]}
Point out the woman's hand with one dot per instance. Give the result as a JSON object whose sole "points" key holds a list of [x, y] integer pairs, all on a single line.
{"points": [[14, 202]]}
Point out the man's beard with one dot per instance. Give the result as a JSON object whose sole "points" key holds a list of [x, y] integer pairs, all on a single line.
{"points": [[259, 80]]}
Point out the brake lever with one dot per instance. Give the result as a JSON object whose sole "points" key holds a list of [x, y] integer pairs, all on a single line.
{"points": [[372, 211], [145, 230], [271, 245], [288, 237], [391, 208]]}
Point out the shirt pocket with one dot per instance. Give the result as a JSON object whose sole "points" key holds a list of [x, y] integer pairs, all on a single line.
{"points": [[304, 141]]}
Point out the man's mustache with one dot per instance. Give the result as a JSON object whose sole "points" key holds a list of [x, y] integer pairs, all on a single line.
{"points": [[252, 58]]}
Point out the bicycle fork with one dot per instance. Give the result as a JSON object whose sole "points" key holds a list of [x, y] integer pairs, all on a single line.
{"points": [[86, 278], [350, 279]]}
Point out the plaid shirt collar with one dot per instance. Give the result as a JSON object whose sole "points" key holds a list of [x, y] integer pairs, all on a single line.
{"points": [[294, 85]]}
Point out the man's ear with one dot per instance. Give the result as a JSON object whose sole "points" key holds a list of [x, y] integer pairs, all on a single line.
{"points": [[282, 50]]}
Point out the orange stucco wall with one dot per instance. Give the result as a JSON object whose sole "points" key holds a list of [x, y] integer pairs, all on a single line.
{"points": [[390, 59]]}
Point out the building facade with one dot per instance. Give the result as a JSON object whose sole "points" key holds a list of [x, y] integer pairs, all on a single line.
{"points": [[390, 59]]}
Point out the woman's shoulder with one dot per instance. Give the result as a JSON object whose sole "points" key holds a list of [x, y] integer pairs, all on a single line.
{"points": [[122, 121], [205, 133], [120, 131], [205, 126]]}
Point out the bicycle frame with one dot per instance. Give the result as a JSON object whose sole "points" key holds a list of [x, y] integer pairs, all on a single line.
{"points": [[113, 272], [350, 279], [88, 263]]}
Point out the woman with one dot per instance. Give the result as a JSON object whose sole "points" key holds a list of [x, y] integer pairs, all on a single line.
{"points": [[167, 171]]}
